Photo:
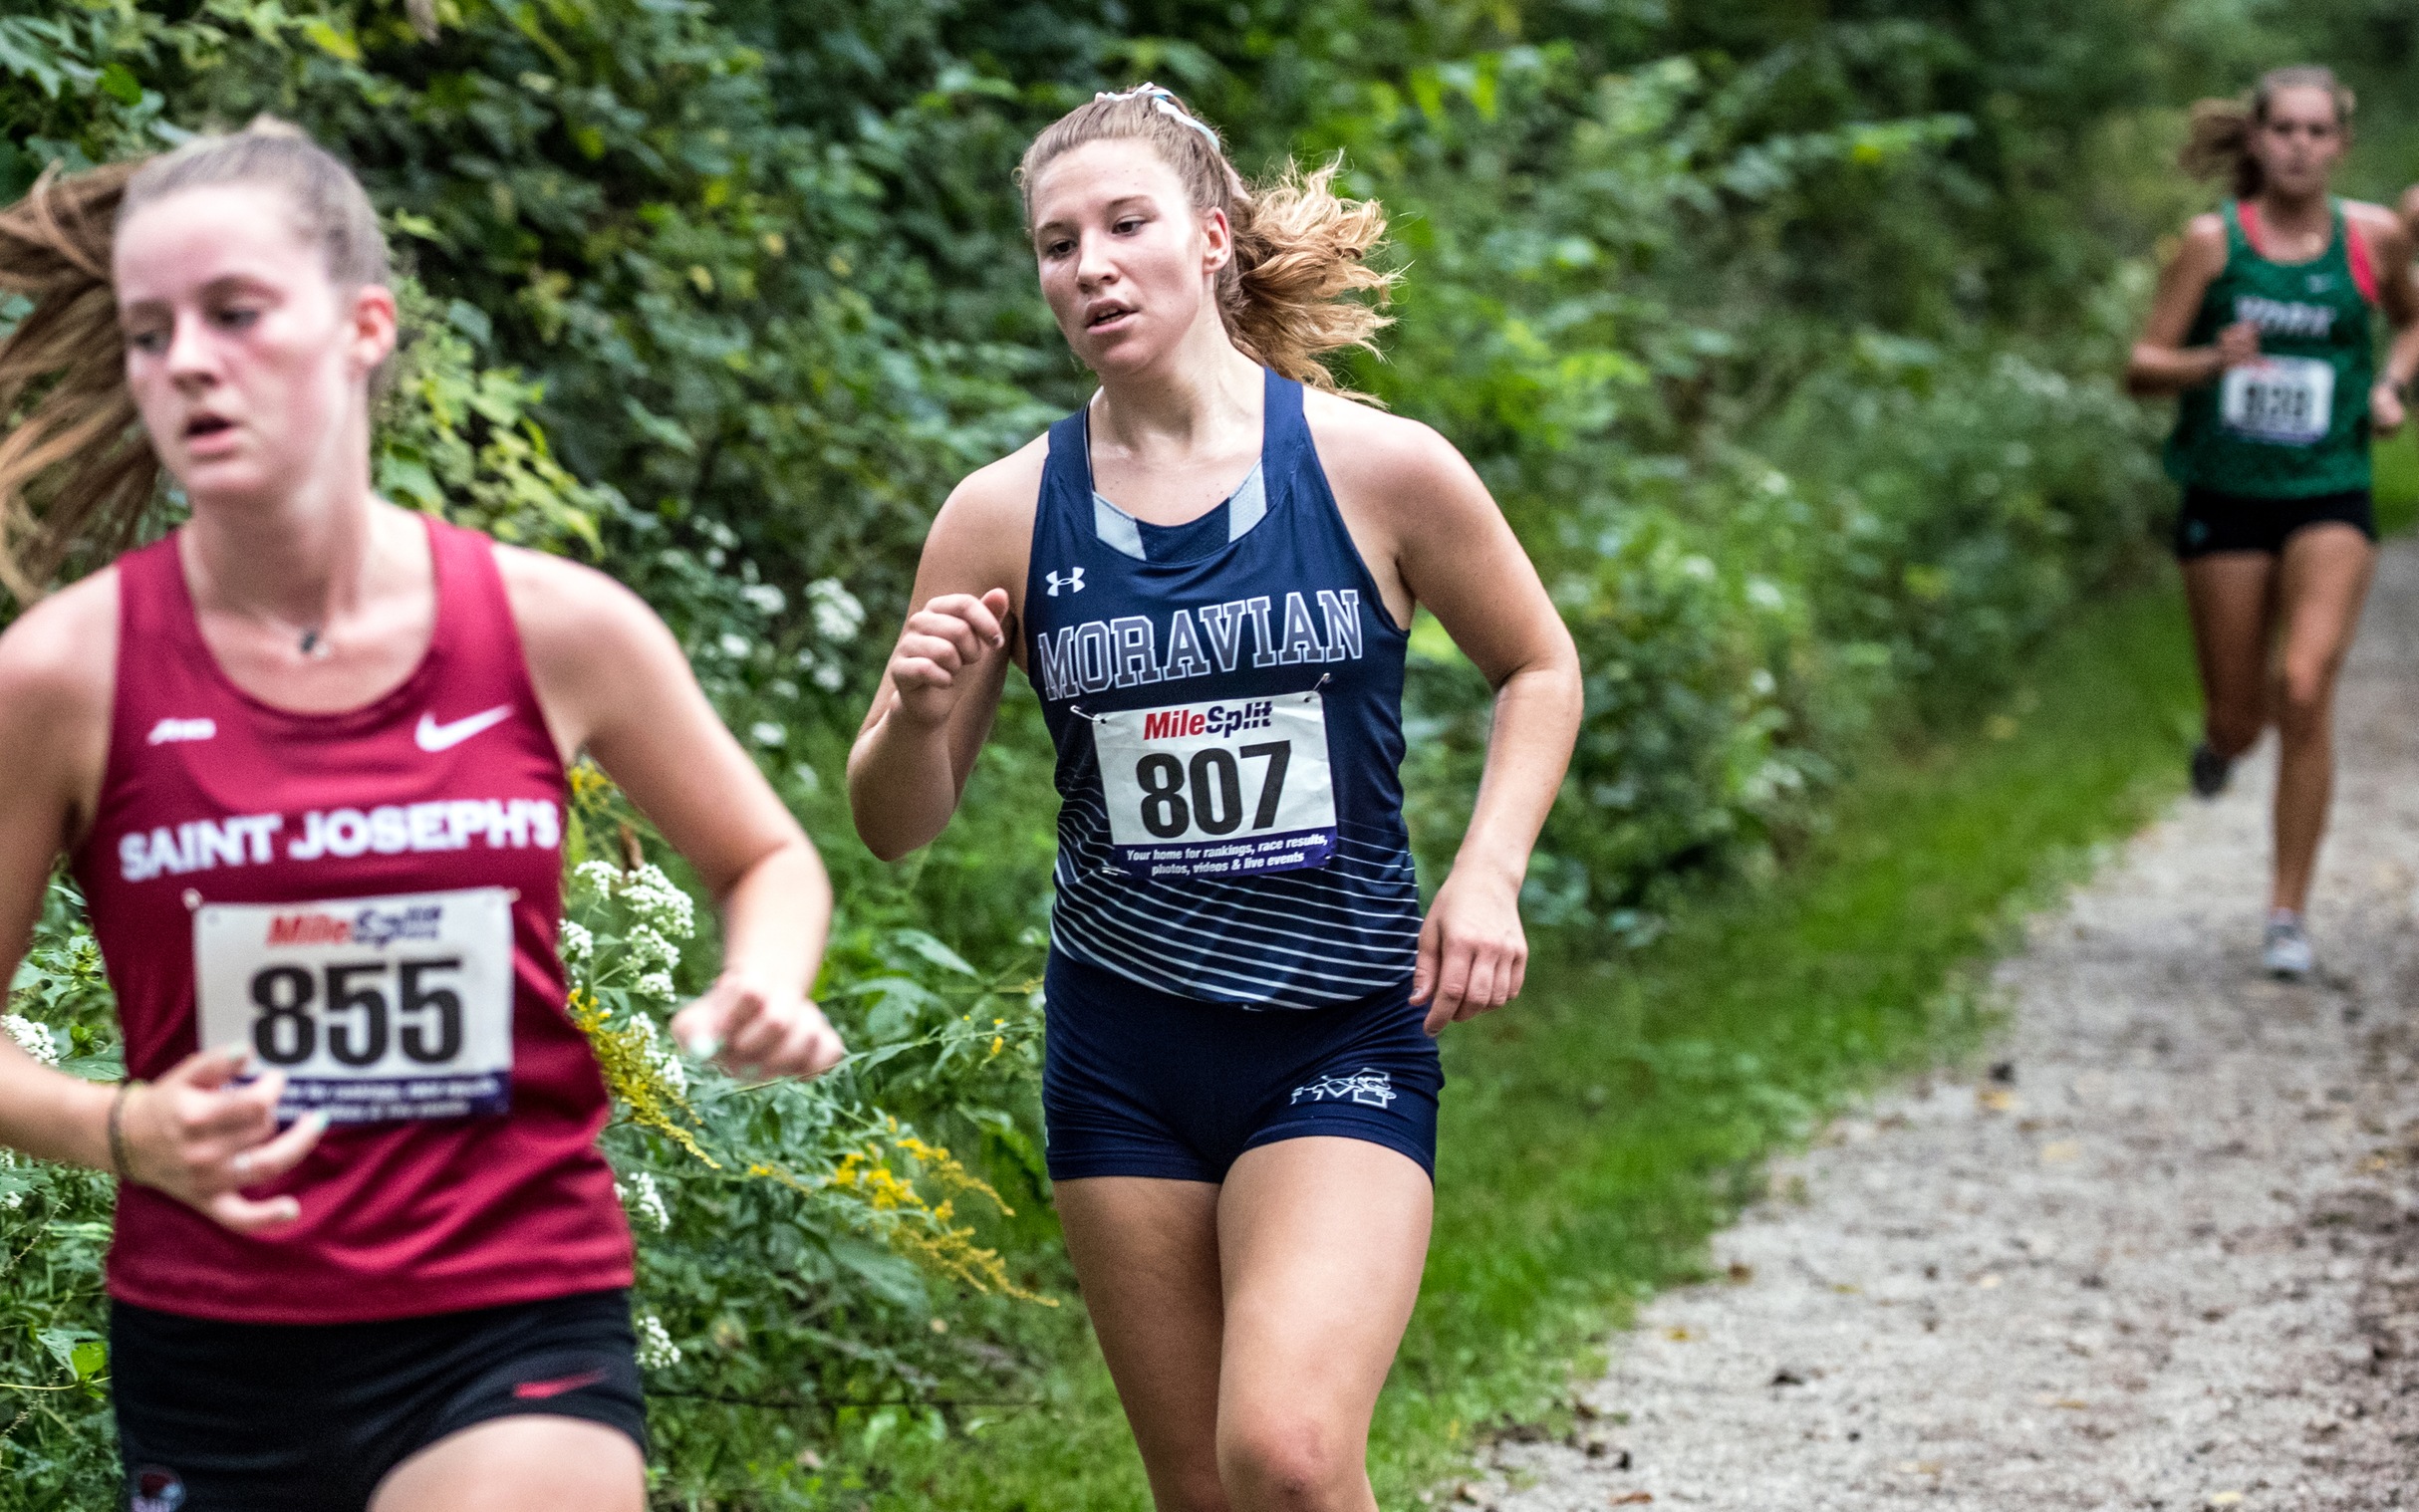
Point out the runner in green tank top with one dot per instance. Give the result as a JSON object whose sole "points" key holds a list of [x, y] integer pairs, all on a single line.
{"points": [[2262, 326], [2296, 422]]}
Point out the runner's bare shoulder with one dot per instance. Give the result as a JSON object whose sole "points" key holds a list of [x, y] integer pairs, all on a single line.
{"points": [[2203, 246], [567, 611], [2380, 227], [59, 660], [58, 678], [1387, 462]]}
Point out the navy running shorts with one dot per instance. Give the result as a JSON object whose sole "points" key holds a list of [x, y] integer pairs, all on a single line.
{"points": [[217, 1417], [2214, 522], [1141, 1082]]}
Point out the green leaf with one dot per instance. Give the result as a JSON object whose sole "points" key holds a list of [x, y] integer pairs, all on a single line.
{"points": [[470, 319], [333, 42], [934, 950], [120, 82], [62, 1342]]}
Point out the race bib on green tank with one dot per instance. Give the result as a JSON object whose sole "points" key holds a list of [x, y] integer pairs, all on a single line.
{"points": [[376, 1008], [2290, 400], [1226, 789]]}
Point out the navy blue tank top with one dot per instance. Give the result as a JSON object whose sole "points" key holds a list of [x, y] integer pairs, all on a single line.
{"points": [[1226, 699]]}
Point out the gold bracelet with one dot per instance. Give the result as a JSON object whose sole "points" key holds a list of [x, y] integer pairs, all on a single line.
{"points": [[119, 1164]]}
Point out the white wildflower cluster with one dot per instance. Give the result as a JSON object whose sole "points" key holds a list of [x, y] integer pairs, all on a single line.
{"points": [[658, 903], [34, 1039], [656, 1352], [659, 913], [645, 1199], [650, 949], [659, 1052], [578, 945], [837, 614], [766, 733], [825, 672], [10, 1202]]}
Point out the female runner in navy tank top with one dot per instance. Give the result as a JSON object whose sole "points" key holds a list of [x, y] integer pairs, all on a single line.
{"points": [[312, 739], [1207, 575]]}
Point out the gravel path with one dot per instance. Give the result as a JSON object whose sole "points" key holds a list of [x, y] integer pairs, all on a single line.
{"points": [[2167, 1257]]}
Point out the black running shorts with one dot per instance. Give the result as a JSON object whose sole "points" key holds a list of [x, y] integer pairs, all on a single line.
{"points": [[308, 1417], [1140, 1083], [2216, 522]]}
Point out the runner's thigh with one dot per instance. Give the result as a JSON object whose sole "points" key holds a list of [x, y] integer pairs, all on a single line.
{"points": [[529, 1463], [2324, 581], [1323, 1240], [2230, 596], [1146, 1254]]}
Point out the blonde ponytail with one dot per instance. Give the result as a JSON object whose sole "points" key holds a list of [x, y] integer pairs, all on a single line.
{"points": [[75, 468], [1301, 251]]}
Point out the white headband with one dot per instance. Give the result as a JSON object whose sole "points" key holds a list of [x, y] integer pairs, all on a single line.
{"points": [[1165, 104]]}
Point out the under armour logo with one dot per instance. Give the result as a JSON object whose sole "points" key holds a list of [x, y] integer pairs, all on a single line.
{"points": [[1073, 582]]}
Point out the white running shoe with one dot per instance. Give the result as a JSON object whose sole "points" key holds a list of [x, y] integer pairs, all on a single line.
{"points": [[2285, 951]]}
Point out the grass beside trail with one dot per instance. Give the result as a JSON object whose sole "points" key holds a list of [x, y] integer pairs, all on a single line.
{"points": [[1598, 1131], [2397, 483]]}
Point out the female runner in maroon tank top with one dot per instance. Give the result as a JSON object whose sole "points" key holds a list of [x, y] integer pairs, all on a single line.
{"points": [[307, 758]]}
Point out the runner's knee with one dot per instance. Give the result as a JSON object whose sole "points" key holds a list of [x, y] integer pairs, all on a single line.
{"points": [[2303, 692], [1286, 1460]]}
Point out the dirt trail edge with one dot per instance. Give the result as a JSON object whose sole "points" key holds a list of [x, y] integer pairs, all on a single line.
{"points": [[2172, 1263]]}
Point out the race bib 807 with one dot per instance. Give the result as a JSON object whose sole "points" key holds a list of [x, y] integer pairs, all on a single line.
{"points": [[374, 1008], [2287, 400], [1231, 788]]}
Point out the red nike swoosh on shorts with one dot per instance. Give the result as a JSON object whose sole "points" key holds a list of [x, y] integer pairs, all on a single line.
{"points": [[539, 1390]]}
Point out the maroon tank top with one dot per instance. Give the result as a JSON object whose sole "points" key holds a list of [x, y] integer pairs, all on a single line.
{"points": [[370, 901]]}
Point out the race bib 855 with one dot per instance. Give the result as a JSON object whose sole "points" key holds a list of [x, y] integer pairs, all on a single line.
{"points": [[1231, 788], [374, 1008]]}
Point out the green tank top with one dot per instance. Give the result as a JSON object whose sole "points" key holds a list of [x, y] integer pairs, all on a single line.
{"points": [[2295, 423]]}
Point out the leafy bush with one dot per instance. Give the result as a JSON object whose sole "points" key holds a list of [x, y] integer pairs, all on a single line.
{"points": [[1783, 335]]}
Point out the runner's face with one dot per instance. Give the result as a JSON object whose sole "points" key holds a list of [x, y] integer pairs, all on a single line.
{"points": [[249, 366], [1127, 264], [2300, 141]]}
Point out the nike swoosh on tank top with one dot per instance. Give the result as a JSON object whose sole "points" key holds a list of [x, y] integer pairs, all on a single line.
{"points": [[379, 916]]}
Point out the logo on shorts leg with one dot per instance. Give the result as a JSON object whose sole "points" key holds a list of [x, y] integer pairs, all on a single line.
{"points": [[155, 1490], [1371, 1089]]}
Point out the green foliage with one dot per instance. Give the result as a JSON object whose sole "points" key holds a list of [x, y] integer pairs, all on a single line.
{"points": [[53, 1227], [1784, 335]]}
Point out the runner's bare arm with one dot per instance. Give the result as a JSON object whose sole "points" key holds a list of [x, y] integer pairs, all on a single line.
{"points": [[53, 725], [2391, 247], [1456, 554], [615, 683], [2161, 363], [190, 1134], [941, 688]]}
